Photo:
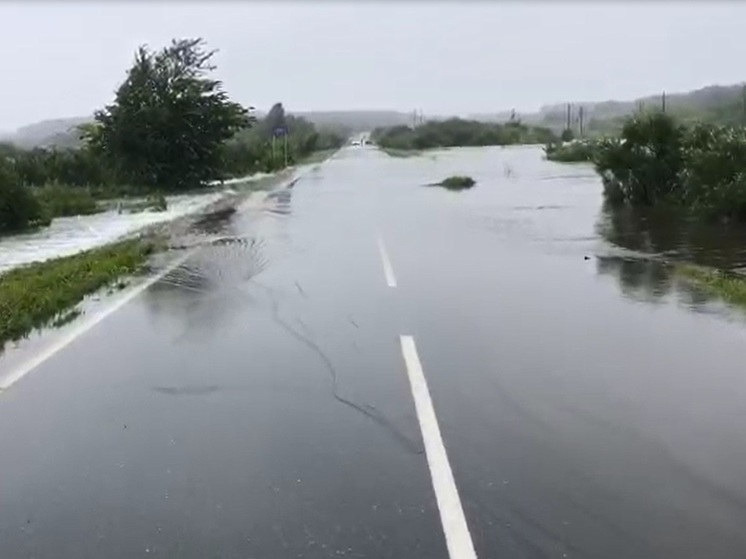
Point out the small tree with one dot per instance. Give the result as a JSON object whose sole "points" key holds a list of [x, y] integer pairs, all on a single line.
{"points": [[168, 121]]}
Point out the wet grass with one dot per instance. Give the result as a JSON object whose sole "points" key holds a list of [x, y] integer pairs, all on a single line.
{"points": [[44, 293], [728, 286]]}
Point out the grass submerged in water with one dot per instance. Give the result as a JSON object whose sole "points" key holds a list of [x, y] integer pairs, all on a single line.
{"points": [[730, 287], [456, 183], [43, 293]]}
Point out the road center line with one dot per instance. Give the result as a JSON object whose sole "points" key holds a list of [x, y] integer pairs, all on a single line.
{"points": [[387, 268], [455, 528]]}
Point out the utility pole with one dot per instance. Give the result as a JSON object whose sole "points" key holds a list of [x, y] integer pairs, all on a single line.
{"points": [[580, 118], [286, 148], [663, 102], [743, 115], [567, 126]]}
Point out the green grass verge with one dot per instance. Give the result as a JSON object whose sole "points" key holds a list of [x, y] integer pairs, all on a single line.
{"points": [[44, 293], [729, 287]]}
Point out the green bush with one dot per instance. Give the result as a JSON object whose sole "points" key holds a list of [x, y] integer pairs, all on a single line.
{"points": [[643, 167], [657, 161], [19, 209], [714, 174]]}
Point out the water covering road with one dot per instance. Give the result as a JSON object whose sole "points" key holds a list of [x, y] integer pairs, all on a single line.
{"points": [[256, 402]]}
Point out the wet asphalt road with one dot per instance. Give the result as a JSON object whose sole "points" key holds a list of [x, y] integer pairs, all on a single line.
{"points": [[255, 402]]}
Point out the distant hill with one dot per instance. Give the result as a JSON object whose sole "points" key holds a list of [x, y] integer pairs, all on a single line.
{"points": [[720, 104], [62, 133], [59, 132]]}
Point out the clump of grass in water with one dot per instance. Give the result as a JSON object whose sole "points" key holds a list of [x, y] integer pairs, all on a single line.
{"points": [[730, 287], [456, 183], [36, 295], [65, 318]]}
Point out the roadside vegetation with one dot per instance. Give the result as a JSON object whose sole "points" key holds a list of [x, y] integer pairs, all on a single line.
{"points": [[456, 132], [573, 151], [658, 161], [171, 128], [728, 286], [44, 293]]}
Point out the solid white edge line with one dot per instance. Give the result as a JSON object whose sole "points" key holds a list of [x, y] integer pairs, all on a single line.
{"points": [[13, 377], [8, 380], [455, 528], [388, 270]]}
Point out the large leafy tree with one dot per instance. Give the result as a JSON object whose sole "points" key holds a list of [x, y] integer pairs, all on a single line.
{"points": [[169, 120]]}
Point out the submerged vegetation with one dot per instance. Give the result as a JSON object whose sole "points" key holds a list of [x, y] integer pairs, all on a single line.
{"points": [[457, 182], [457, 132], [575, 151], [659, 162], [728, 286], [44, 293]]}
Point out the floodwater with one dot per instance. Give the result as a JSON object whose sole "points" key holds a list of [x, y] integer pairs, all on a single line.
{"points": [[70, 235], [255, 401]]}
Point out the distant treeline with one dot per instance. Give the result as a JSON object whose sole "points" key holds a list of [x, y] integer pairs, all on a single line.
{"points": [[459, 132], [169, 129]]}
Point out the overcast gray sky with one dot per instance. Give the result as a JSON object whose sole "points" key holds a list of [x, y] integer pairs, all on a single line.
{"points": [[65, 59]]}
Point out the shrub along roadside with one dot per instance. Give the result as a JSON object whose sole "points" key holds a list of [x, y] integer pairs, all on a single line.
{"points": [[34, 296], [659, 162], [570, 152]]}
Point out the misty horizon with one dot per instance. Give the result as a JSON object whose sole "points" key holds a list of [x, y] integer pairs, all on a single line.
{"points": [[440, 58]]}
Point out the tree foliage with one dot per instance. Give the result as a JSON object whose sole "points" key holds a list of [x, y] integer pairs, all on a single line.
{"points": [[169, 120]]}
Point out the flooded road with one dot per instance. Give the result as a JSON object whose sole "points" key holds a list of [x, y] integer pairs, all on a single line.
{"points": [[264, 400]]}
